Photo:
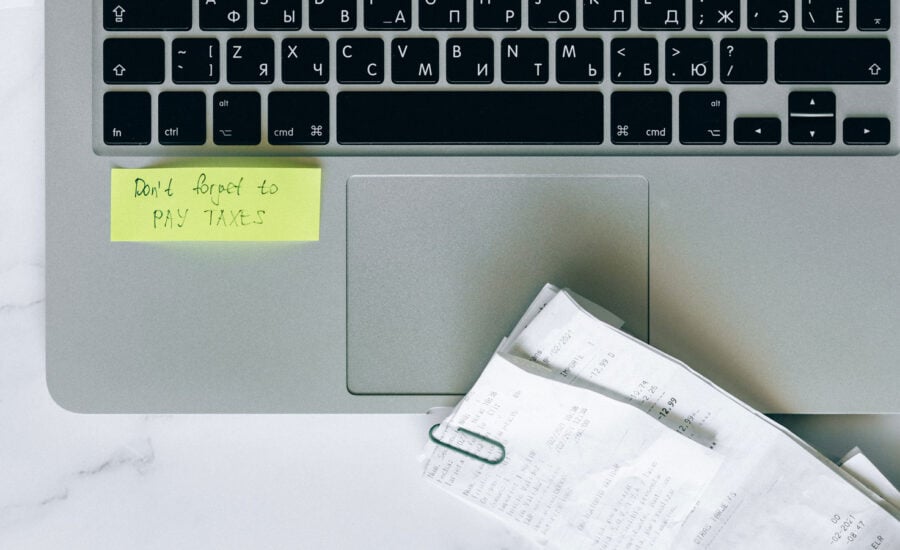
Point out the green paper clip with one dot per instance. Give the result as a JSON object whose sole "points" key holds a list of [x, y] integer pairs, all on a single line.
{"points": [[492, 462]]}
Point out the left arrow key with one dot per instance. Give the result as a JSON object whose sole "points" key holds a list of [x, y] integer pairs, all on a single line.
{"points": [[134, 61]]}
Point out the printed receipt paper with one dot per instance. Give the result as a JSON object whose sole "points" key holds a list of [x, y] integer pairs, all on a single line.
{"points": [[611, 444], [215, 204]]}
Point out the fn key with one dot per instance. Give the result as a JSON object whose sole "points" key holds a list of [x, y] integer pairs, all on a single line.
{"points": [[126, 118]]}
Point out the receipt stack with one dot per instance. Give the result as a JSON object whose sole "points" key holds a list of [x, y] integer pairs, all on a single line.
{"points": [[581, 436]]}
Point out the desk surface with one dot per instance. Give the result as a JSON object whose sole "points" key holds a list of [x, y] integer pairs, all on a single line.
{"points": [[301, 481]]}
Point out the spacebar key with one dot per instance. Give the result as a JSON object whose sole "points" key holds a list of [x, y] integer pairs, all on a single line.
{"points": [[469, 117]]}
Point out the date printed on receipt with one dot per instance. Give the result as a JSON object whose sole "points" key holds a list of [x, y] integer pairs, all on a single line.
{"points": [[215, 204]]}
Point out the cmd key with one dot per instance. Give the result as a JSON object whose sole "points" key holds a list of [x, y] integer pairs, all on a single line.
{"points": [[641, 118]]}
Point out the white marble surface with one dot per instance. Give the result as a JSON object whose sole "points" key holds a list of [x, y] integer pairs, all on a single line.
{"points": [[74, 482]]}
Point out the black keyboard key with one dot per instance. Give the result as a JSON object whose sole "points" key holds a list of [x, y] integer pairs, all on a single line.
{"points": [[873, 15], [524, 60], [689, 61], [579, 60], [387, 14], [641, 118], [811, 118], [492, 15], [770, 15], [634, 60], [195, 61], [661, 15], [182, 118], [757, 131], [223, 15], [559, 15], [134, 61], [414, 60], [811, 131], [718, 15], [332, 15], [607, 15], [140, 15], [360, 61], [298, 118], [825, 15], [251, 61], [126, 118], [703, 118], [437, 15], [470, 60], [867, 131], [744, 60], [462, 117], [304, 61], [832, 60], [236, 118], [273, 15]]}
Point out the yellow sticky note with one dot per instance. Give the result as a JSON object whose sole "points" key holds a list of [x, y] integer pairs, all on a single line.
{"points": [[215, 204]]}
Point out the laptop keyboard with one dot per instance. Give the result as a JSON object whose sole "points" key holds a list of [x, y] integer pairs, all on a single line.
{"points": [[579, 76]]}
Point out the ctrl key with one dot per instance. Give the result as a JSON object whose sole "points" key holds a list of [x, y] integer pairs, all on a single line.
{"points": [[298, 118], [126, 118]]}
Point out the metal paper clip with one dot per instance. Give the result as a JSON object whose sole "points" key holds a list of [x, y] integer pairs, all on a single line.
{"points": [[491, 461]]}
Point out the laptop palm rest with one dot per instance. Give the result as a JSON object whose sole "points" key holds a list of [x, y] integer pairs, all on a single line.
{"points": [[440, 268]]}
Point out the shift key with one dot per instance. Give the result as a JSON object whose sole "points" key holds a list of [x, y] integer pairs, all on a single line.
{"points": [[142, 15], [832, 60]]}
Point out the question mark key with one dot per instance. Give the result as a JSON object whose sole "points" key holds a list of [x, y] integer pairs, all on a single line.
{"points": [[743, 60]]}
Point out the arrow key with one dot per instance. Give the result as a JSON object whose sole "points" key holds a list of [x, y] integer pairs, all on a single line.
{"points": [[811, 131], [867, 131], [757, 131], [134, 61]]}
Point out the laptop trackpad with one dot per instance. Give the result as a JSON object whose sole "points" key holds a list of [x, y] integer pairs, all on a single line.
{"points": [[440, 268]]}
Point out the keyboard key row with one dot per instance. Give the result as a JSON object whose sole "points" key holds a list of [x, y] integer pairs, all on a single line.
{"points": [[523, 60], [490, 117], [218, 15]]}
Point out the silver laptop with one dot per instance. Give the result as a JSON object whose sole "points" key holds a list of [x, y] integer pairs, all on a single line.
{"points": [[721, 174]]}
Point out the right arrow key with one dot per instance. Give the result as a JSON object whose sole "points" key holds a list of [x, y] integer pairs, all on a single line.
{"points": [[867, 131]]}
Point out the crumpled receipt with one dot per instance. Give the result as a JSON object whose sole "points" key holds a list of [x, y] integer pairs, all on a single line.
{"points": [[574, 468]]}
